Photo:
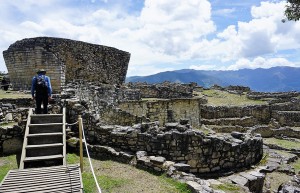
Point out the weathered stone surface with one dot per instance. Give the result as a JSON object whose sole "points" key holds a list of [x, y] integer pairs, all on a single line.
{"points": [[182, 167], [73, 142], [165, 90], [157, 160], [292, 186], [240, 180], [12, 146], [64, 60], [9, 117], [237, 135]]}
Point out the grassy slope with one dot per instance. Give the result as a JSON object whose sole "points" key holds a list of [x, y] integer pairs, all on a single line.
{"points": [[116, 177], [220, 98], [112, 177]]}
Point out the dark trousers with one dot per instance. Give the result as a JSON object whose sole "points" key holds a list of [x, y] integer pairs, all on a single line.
{"points": [[41, 98]]}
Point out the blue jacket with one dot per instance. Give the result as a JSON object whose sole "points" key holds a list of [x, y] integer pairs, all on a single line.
{"points": [[48, 82]]}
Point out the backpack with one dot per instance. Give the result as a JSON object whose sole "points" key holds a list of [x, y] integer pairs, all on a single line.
{"points": [[41, 84]]}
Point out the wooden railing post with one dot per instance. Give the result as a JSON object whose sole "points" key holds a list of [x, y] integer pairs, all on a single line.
{"points": [[80, 142]]}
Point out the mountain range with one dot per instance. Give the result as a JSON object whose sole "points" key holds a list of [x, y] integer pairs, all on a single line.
{"points": [[275, 79]]}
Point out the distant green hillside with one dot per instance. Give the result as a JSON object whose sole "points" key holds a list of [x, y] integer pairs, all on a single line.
{"points": [[265, 80]]}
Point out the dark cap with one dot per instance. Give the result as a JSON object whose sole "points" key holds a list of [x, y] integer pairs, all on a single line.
{"points": [[41, 70]]}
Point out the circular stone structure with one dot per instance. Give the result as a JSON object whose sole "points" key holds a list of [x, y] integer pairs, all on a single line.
{"points": [[64, 60]]}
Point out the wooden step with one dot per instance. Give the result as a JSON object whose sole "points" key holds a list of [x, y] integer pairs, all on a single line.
{"points": [[41, 158], [43, 145], [48, 179], [44, 138], [44, 149], [43, 161], [46, 118], [45, 128]]}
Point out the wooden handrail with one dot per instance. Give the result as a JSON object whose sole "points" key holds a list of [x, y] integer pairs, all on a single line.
{"points": [[30, 112]]}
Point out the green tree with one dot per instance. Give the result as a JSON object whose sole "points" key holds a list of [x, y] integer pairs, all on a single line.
{"points": [[292, 11]]}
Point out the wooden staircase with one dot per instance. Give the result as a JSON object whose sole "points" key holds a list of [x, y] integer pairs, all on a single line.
{"points": [[44, 141], [43, 165]]}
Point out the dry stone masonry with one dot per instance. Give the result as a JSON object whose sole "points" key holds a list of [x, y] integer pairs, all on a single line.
{"points": [[165, 90], [64, 61], [153, 126]]}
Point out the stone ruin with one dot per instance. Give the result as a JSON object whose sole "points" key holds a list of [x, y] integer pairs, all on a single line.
{"points": [[161, 134], [64, 61]]}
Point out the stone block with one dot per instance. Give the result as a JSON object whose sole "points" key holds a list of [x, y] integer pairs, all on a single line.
{"points": [[240, 180], [157, 160], [182, 167]]}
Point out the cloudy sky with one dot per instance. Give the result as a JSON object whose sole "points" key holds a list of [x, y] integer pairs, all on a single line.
{"points": [[163, 35]]}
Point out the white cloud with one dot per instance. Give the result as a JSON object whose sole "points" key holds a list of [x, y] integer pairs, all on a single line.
{"points": [[174, 26], [268, 9], [262, 36], [203, 67], [163, 32], [259, 62]]}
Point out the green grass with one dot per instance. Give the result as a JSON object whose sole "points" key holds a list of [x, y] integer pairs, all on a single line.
{"points": [[180, 187], [296, 165], [112, 177], [282, 143], [221, 98], [7, 163], [264, 159], [107, 183], [5, 124], [227, 187]]}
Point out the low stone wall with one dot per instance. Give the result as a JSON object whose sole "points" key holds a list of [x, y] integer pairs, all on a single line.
{"points": [[17, 103], [260, 112], [244, 121], [166, 110], [266, 131], [165, 90], [156, 164], [238, 89], [11, 140], [119, 117], [290, 105], [287, 118], [176, 142], [278, 95], [12, 125], [179, 143]]}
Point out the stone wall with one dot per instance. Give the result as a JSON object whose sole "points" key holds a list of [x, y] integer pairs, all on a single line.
{"points": [[266, 131], [175, 141], [12, 124], [19, 102], [167, 110], [287, 118], [11, 139], [64, 60], [264, 95], [165, 90], [180, 143], [260, 112]]}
